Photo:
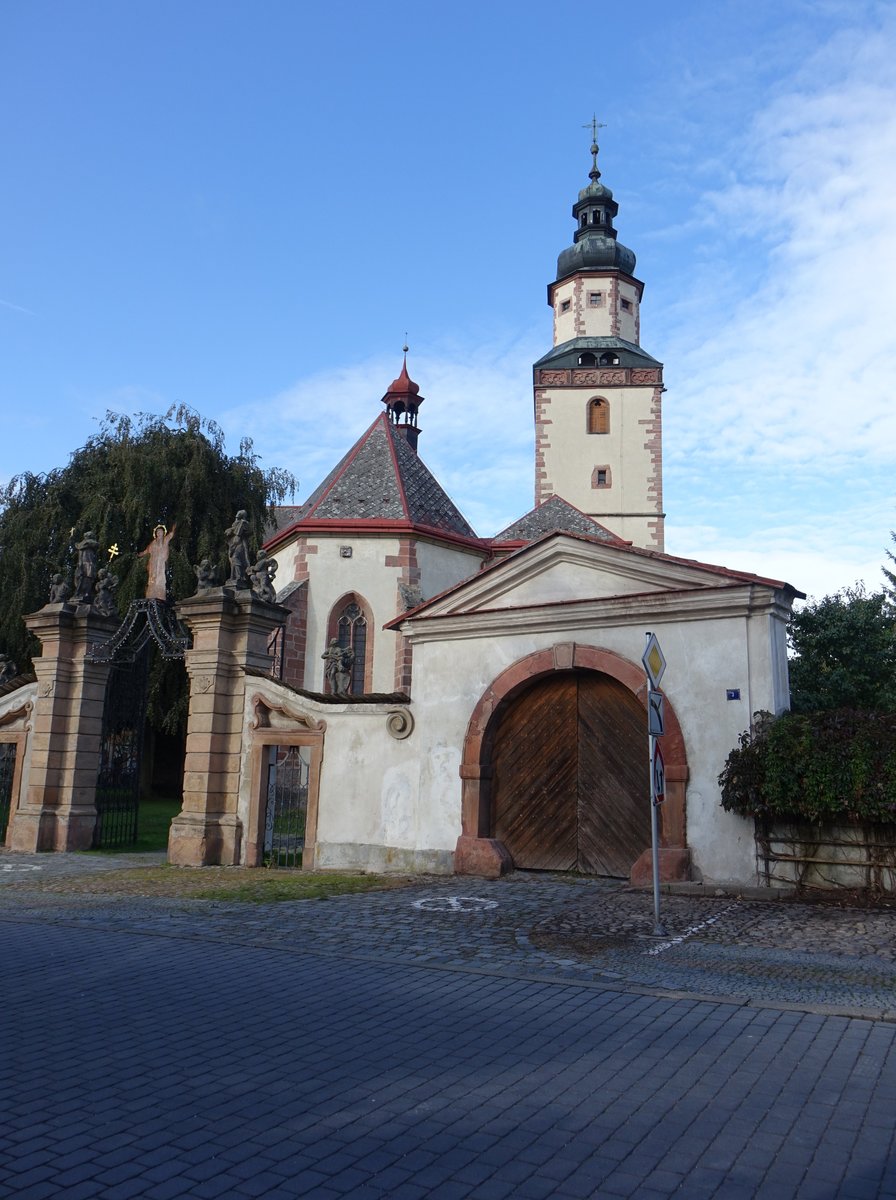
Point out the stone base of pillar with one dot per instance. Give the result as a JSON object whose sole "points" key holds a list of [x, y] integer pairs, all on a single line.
{"points": [[675, 866], [73, 828], [205, 840], [485, 857], [30, 832]]}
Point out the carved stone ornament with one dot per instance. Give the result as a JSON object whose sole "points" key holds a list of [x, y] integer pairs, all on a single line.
{"points": [[263, 708], [400, 724], [608, 378], [205, 683], [410, 594], [549, 378], [645, 376], [21, 715], [585, 378]]}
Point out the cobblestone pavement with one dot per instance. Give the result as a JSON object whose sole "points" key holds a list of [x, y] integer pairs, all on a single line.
{"points": [[591, 931], [453, 1039]]}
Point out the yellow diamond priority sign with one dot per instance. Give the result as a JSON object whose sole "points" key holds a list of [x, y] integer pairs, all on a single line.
{"points": [[654, 661]]}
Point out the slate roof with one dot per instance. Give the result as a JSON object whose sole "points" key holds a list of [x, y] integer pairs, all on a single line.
{"points": [[554, 515], [381, 479]]}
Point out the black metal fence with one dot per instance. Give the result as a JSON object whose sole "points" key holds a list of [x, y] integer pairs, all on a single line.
{"points": [[118, 780], [7, 772], [288, 770]]}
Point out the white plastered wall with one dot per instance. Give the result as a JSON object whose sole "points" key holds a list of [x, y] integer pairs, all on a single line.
{"points": [[396, 804], [332, 576], [443, 566]]}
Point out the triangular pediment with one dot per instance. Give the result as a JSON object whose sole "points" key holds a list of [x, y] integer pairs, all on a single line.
{"points": [[563, 568]]}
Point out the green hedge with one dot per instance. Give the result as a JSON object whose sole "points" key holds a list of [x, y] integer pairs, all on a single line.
{"points": [[836, 765]]}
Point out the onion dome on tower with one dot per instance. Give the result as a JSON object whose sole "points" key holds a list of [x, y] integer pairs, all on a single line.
{"points": [[402, 401], [595, 245]]}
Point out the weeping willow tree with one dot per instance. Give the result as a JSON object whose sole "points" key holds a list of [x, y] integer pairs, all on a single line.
{"points": [[135, 473]]}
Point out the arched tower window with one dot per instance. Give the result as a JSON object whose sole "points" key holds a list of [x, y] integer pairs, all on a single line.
{"points": [[350, 624], [587, 359], [608, 359], [598, 415]]}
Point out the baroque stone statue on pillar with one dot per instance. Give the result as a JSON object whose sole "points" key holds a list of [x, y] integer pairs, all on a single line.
{"points": [[262, 576], [104, 601], [206, 577], [86, 570], [60, 589], [238, 551]]}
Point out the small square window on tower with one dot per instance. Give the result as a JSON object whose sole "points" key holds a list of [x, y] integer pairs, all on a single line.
{"points": [[626, 305], [600, 477], [565, 305], [595, 299]]}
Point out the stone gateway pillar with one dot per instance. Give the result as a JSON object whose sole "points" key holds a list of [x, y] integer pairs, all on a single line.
{"points": [[231, 630], [58, 811]]}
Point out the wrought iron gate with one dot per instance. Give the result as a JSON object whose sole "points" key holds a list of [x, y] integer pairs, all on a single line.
{"points": [[147, 622], [288, 773], [7, 772], [121, 751]]}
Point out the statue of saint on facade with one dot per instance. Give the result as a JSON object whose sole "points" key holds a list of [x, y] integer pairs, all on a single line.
{"points": [[156, 554], [238, 551], [104, 601], [339, 660], [60, 589], [262, 576], [85, 572]]}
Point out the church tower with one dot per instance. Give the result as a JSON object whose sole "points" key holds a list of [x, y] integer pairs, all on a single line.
{"points": [[598, 395]]}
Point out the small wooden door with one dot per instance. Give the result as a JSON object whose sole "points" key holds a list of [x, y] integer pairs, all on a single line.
{"points": [[570, 788]]}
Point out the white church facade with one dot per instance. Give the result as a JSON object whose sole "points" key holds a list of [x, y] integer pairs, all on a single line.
{"points": [[423, 699], [496, 712]]}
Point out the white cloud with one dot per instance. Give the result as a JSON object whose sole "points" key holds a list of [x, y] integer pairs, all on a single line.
{"points": [[800, 370]]}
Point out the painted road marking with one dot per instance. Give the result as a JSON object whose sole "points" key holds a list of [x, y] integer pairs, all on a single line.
{"points": [[454, 903], [689, 932], [19, 867]]}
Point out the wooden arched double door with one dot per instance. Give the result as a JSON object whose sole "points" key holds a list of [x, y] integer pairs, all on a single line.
{"points": [[570, 783]]}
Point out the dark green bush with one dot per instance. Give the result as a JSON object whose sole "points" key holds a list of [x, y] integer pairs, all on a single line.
{"points": [[822, 766]]}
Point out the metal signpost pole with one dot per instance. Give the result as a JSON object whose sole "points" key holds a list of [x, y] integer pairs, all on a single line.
{"points": [[654, 665]]}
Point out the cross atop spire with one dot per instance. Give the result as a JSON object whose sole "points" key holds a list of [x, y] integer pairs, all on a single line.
{"points": [[594, 125]]}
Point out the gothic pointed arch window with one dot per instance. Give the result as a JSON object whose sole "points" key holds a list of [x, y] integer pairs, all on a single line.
{"points": [[598, 415], [350, 624]]}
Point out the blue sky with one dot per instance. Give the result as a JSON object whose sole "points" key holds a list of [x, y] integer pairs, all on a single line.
{"points": [[243, 206]]}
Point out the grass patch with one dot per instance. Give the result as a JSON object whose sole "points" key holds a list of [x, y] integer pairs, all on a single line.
{"points": [[246, 885], [153, 821]]}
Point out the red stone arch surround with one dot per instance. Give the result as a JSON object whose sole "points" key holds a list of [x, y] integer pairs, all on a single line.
{"points": [[479, 854]]}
